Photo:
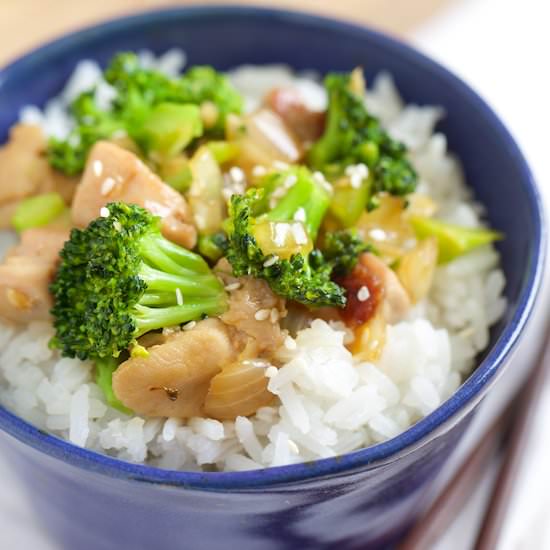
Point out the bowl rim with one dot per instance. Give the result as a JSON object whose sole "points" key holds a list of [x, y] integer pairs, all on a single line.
{"points": [[462, 400]]}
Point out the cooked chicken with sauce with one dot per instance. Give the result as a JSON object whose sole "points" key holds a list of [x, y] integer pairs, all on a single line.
{"points": [[114, 174], [174, 378], [26, 273]]}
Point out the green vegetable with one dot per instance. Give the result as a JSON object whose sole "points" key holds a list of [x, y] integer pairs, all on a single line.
{"points": [[348, 203], [38, 211], [170, 127], [133, 112], [214, 246], [223, 151], [453, 240], [342, 249], [304, 276], [180, 180], [120, 278], [354, 136], [91, 125], [104, 369]]}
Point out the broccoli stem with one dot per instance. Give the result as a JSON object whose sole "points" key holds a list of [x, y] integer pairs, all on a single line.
{"points": [[171, 257], [105, 367], [152, 318], [199, 285]]}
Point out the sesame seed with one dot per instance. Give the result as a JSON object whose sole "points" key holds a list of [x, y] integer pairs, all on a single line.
{"points": [[290, 343], [299, 233], [363, 294], [279, 192], [271, 260], [189, 326], [290, 181], [377, 234], [256, 363], [319, 177], [179, 297], [104, 212], [97, 168], [262, 314], [300, 215], [271, 371], [356, 181], [258, 171], [233, 286], [274, 315], [107, 186], [280, 165], [281, 232], [236, 174], [357, 173], [293, 447]]}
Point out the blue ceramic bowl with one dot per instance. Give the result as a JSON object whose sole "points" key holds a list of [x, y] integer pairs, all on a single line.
{"points": [[365, 499]]}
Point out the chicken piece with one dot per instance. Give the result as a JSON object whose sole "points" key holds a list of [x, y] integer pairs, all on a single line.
{"points": [[26, 171], [26, 273], [253, 310], [307, 125], [396, 302], [174, 379], [370, 286], [114, 174]]}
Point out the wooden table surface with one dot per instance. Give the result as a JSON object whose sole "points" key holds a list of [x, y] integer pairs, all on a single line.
{"points": [[28, 23]]}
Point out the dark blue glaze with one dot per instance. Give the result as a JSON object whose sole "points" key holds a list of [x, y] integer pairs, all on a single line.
{"points": [[365, 499]]}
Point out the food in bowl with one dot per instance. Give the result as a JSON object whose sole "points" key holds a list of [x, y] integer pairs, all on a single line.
{"points": [[227, 272]]}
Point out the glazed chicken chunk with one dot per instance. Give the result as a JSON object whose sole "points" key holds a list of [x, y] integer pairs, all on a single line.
{"points": [[26, 274], [173, 380], [114, 174]]}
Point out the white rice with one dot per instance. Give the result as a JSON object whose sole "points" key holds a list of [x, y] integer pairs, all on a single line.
{"points": [[327, 402]]}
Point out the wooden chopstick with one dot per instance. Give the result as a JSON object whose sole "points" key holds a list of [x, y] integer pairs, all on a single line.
{"points": [[515, 425], [443, 511], [521, 433]]}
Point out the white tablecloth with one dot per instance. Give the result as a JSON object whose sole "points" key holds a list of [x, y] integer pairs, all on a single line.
{"points": [[501, 47]]}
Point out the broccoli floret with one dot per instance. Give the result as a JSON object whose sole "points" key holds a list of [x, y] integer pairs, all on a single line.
{"points": [[120, 278], [91, 125], [353, 136], [342, 249], [158, 112], [138, 87], [258, 244]]}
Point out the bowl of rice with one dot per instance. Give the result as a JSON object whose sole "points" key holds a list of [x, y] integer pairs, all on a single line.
{"points": [[330, 279]]}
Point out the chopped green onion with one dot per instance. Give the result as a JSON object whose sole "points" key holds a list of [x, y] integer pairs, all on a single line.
{"points": [[348, 203], [180, 181], [223, 151], [453, 240], [38, 211]]}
